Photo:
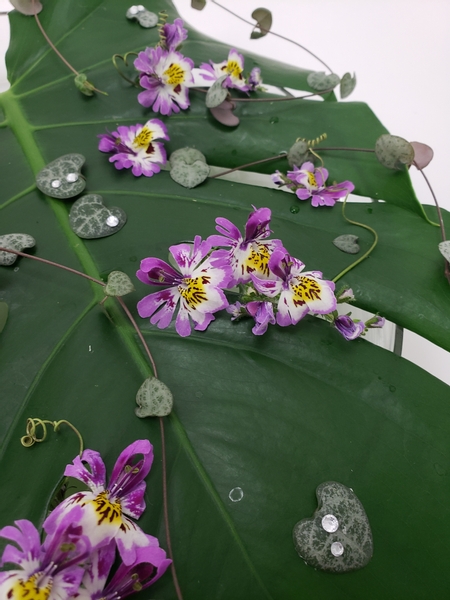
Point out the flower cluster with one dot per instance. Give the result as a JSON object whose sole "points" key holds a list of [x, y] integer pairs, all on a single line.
{"points": [[273, 285], [309, 182], [135, 147], [82, 535]]}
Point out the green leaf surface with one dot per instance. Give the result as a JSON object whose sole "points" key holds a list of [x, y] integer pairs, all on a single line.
{"points": [[275, 415]]}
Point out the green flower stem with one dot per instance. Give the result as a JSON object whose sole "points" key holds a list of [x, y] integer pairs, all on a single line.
{"points": [[256, 162], [439, 213], [275, 34], [342, 273]]}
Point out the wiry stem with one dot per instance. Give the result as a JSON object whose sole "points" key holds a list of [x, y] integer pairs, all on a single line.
{"points": [[256, 162], [275, 34], [364, 256], [343, 148], [283, 99], [54, 48], [441, 220]]}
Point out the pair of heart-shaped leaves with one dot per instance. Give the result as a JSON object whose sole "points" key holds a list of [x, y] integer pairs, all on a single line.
{"points": [[144, 17]]}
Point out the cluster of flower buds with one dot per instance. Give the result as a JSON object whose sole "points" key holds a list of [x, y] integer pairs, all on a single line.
{"points": [[273, 286], [84, 535]]}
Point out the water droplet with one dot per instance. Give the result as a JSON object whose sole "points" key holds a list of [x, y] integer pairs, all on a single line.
{"points": [[56, 183], [16, 269], [440, 470], [236, 494], [140, 7], [198, 394], [337, 549], [90, 348], [133, 10], [330, 523], [72, 177], [294, 209], [273, 120], [370, 211], [112, 221], [392, 388]]}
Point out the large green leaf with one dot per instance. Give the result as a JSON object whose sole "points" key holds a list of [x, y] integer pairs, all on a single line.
{"points": [[275, 416]]}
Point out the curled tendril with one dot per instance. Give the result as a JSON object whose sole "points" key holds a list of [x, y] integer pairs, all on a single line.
{"points": [[312, 143], [31, 436], [125, 60], [163, 16]]}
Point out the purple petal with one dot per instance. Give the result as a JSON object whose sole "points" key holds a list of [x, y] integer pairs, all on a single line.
{"points": [[95, 478], [139, 457]]}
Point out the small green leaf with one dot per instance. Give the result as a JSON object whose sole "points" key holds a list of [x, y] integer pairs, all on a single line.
{"points": [[3, 315], [89, 218], [26, 6], [298, 153], [62, 177], [119, 284], [347, 243], [14, 241], [188, 167], [154, 399], [393, 151], [320, 81], [348, 84], [198, 4], [216, 93], [444, 249], [263, 18], [338, 537], [82, 83]]}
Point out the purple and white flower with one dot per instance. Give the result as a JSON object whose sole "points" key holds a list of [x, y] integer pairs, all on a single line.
{"points": [[165, 76], [375, 322], [299, 292], [310, 183], [349, 328], [196, 287], [150, 564], [255, 80], [246, 255], [173, 34], [106, 508], [233, 67], [50, 570], [135, 147], [262, 312]]}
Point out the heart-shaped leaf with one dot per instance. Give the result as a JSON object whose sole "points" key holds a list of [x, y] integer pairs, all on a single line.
{"points": [[393, 151], [15, 241], [118, 284], [216, 93], [188, 167], [3, 315], [338, 537], [263, 18], [147, 19], [320, 81], [198, 4], [423, 154], [348, 84], [298, 153], [347, 243], [89, 218], [27, 7], [62, 177], [154, 399], [444, 249], [224, 114]]}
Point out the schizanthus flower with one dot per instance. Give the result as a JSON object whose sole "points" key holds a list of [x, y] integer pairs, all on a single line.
{"points": [[299, 292], [135, 147], [309, 182], [196, 287], [349, 328], [106, 508], [48, 571], [245, 254], [233, 67], [255, 80], [165, 76], [173, 34]]}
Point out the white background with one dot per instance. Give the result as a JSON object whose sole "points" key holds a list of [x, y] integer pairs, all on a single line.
{"points": [[399, 51]]}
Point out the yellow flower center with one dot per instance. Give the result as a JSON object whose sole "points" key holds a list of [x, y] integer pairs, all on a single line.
{"points": [[193, 290], [258, 261], [312, 180], [233, 68], [305, 289], [143, 139], [174, 74], [30, 589], [105, 510]]}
